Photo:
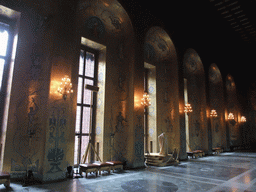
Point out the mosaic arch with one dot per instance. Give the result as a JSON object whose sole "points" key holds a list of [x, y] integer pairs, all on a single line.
{"points": [[217, 102], [214, 74], [232, 107], [197, 121], [106, 22], [102, 18], [230, 83], [161, 61], [192, 63]]}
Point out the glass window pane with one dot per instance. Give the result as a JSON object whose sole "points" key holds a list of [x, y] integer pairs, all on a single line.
{"points": [[81, 63], [86, 119], [89, 65], [85, 141], [3, 41], [87, 93], [78, 118], [79, 90], [76, 150], [1, 71]]}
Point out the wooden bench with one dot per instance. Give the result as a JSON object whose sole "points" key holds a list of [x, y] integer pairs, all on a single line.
{"points": [[196, 153], [200, 153], [88, 168], [5, 179], [217, 150], [192, 154], [115, 165], [102, 166], [99, 167]]}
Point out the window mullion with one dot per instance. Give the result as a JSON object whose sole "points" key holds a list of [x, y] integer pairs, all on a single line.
{"points": [[84, 106], [82, 111]]}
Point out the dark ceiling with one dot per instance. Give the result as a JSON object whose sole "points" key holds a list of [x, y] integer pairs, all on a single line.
{"points": [[221, 31]]}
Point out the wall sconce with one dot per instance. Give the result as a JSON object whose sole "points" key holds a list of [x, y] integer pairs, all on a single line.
{"points": [[243, 119], [231, 119], [145, 101], [65, 87], [188, 108], [213, 113], [231, 116]]}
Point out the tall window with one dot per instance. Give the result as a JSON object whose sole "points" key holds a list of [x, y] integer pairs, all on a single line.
{"points": [[186, 115], [150, 113], [4, 36], [6, 40], [87, 74]]}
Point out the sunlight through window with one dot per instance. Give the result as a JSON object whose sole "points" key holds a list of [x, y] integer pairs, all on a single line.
{"points": [[3, 42], [3, 50]]}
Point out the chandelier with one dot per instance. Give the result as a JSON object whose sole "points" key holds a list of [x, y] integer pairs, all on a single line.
{"points": [[243, 119], [188, 108], [65, 87], [231, 116], [145, 101], [213, 113]]}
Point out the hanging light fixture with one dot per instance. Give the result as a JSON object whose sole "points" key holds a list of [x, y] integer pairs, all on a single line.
{"points": [[213, 113], [188, 108], [145, 101], [65, 87], [243, 119], [231, 116]]}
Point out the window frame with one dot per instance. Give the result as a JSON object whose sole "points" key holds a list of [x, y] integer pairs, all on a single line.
{"points": [[93, 106], [8, 24]]}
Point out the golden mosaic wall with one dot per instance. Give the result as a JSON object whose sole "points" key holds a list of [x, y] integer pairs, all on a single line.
{"points": [[217, 102], [194, 73], [232, 107], [160, 52], [40, 128]]}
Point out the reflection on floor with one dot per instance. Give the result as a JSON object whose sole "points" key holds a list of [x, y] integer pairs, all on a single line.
{"points": [[228, 172]]}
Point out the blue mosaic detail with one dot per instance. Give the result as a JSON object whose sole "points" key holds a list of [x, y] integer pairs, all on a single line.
{"points": [[100, 76], [149, 52], [151, 89], [98, 130], [151, 111], [99, 103], [151, 132], [95, 27], [57, 124]]}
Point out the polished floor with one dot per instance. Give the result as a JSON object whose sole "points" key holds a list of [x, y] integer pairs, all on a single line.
{"points": [[227, 172]]}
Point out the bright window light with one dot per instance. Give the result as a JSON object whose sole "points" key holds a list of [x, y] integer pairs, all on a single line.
{"points": [[1, 71], [3, 42], [4, 35]]}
